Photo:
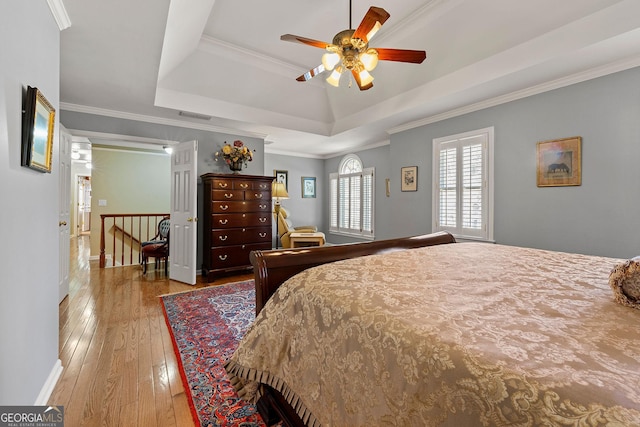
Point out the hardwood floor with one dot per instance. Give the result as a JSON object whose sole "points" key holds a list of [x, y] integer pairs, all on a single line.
{"points": [[119, 365]]}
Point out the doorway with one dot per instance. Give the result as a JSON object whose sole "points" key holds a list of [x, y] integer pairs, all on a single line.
{"points": [[83, 214]]}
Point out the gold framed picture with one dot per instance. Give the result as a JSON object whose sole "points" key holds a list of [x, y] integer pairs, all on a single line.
{"points": [[37, 131], [559, 162]]}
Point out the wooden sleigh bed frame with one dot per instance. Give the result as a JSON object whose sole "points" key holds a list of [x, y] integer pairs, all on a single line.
{"points": [[272, 268]]}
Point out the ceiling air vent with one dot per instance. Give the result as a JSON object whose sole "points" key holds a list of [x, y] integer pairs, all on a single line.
{"points": [[194, 115]]}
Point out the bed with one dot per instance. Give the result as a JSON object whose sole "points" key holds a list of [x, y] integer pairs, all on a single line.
{"points": [[425, 331]]}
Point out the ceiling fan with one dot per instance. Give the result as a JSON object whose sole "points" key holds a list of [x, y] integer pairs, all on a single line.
{"points": [[350, 51]]}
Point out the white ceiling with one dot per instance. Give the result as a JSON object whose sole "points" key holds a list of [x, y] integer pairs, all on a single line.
{"points": [[127, 66]]}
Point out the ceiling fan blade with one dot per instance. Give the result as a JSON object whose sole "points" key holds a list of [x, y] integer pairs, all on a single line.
{"points": [[311, 73], [304, 40], [356, 76], [371, 23], [401, 55]]}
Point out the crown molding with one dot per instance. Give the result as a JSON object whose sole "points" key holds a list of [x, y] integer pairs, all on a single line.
{"points": [[119, 137], [524, 93], [268, 150], [59, 14], [358, 149], [157, 120]]}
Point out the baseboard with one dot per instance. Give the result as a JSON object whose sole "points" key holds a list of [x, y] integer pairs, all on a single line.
{"points": [[49, 385]]}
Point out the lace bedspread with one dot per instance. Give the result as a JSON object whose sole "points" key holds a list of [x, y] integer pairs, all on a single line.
{"points": [[463, 334]]}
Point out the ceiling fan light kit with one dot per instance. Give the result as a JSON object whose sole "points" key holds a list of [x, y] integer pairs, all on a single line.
{"points": [[350, 51]]}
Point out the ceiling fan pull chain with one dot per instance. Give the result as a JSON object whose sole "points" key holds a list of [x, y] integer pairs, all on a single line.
{"points": [[350, 10]]}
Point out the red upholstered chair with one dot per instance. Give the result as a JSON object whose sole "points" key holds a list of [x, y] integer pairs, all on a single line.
{"points": [[158, 247]]}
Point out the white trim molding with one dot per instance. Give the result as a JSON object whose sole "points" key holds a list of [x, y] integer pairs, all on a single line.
{"points": [[59, 14], [49, 385]]}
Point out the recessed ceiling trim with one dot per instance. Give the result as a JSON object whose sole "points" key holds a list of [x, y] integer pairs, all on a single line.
{"points": [[157, 120], [59, 14], [243, 113], [92, 135], [269, 150], [358, 149], [250, 57], [185, 22], [524, 93]]}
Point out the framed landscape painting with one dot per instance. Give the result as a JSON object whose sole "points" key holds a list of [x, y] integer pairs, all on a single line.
{"points": [[37, 131], [559, 162]]}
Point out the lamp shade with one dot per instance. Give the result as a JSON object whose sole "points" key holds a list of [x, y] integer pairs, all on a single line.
{"points": [[278, 191]]}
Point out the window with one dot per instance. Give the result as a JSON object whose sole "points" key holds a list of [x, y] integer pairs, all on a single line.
{"points": [[463, 184], [351, 192]]}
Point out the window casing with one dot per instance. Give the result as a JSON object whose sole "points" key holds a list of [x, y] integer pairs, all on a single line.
{"points": [[352, 198], [463, 184]]}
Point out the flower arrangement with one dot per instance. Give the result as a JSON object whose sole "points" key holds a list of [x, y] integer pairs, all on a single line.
{"points": [[236, 155]]}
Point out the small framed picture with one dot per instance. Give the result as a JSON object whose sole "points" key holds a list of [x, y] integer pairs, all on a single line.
{"points": [[409, 178], [559, 162], [308, 187], [283, 177]]}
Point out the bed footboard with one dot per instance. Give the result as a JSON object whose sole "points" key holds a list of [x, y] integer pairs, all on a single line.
{"points": [[272, 268]]}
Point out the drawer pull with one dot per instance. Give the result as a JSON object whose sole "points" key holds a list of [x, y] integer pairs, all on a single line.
{"points": [[244, 185], [224, 207], [223, 238], [244, 247], [223, 221], [258, 195], [263, 235], [262, 220], [222, 257], [228, 196], [223, 185], [263, 206], [263, 186]]}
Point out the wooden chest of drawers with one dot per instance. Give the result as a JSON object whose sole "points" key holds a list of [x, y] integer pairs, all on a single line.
{"points": [[237, 220]]}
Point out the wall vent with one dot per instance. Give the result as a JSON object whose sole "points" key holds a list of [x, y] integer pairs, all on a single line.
{"points": [[194, 115]]}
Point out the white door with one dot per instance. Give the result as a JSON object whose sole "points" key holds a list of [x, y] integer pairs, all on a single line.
{"points": [[184, 204], [64, 212]]}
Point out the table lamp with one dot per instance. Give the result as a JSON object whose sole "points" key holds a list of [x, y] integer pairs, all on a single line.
{"points": [[278, 192]]}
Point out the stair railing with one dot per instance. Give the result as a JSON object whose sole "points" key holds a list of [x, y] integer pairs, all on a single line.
{"points": [[122, 234]]}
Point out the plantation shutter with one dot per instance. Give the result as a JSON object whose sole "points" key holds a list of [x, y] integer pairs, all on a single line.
{"points": [[333, 201], [461, 191], [351, 202], [448, 188], [367, 201]]}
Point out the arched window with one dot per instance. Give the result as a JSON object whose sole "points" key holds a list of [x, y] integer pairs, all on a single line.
{"points": [[350, 164], [352, 204]]}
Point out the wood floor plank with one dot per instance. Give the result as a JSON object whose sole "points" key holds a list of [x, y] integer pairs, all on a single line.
{"points": [[120, 368]]}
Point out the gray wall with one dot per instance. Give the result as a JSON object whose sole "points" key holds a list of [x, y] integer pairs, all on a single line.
{"points": [[307, 211], [30, 46], [601, 217]]}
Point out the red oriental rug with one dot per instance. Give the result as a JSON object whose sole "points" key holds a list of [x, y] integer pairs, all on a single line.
{"points": [[206, 326]]}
